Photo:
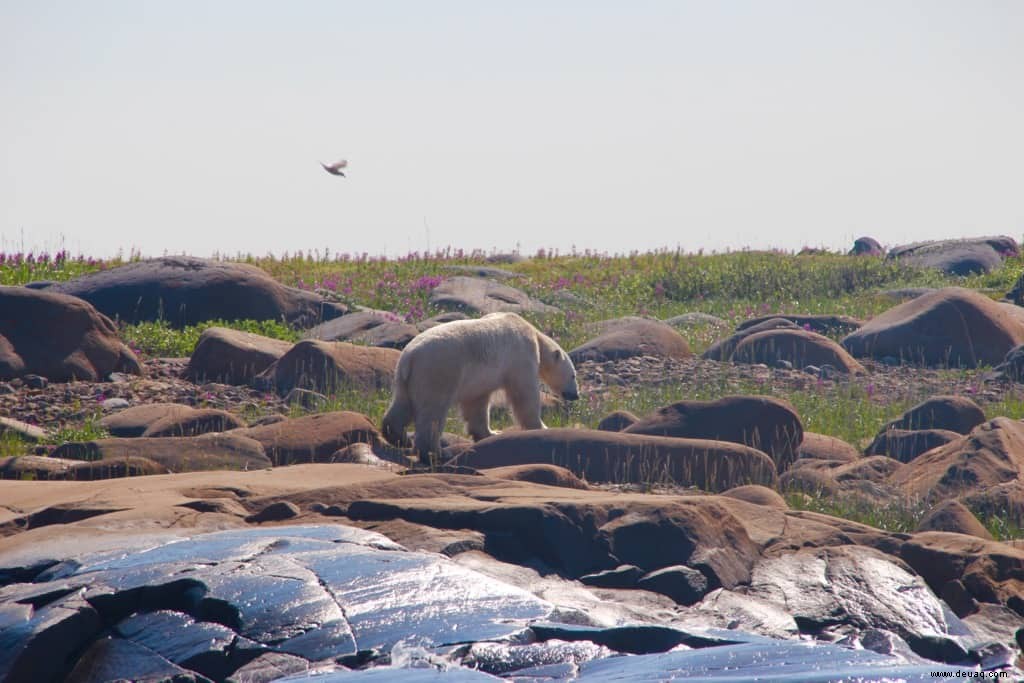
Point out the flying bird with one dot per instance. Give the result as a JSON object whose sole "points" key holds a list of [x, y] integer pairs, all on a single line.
{"points": [[335, 168]]}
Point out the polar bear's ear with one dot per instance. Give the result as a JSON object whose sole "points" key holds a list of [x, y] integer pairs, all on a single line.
{"points": [[558, 355]]}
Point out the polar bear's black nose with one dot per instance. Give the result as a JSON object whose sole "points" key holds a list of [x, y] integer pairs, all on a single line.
{"points": [[570, 395]]}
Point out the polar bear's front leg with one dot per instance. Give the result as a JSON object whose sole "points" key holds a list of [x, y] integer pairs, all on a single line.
{"points": [[524, 395], [477, 414]]}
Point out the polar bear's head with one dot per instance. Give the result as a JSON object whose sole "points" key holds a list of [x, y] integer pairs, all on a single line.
{"points": [[558, 372]]}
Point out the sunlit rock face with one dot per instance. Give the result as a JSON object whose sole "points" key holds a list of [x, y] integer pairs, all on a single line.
{"points": [[336, 603]]}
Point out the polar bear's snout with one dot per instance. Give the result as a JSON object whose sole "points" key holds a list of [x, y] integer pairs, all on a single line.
{"points": [[571, 395]]}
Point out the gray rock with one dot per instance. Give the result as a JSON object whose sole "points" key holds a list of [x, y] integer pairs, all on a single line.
{"points": [[476, 296], [684, 585]]}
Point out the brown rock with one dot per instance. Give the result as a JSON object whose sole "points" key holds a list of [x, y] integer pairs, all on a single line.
{"points": [[954, 413], [23, 430], [822, 324], [617, 421], [434, 321], [759, 495], [822, 447], [992, 454], [232, 356], [134, 421], [628, 337], [766, 423], [313, 438], [949, 327], [953, 516], [723, 349], [58, 337], [799, 347], [621, 457], [905, 445], [549, 475], [35, 467], [194, 423], [171, 454], [329, 366]]}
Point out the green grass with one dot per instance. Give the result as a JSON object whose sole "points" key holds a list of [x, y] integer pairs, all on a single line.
{"points": [[13, 445], [158, 339], [89, 430]]}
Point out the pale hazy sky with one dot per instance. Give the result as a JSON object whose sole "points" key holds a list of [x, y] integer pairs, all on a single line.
{"points": [[197, 126]]}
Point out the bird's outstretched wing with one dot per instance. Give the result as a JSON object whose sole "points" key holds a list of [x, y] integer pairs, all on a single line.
{"points": [[335, 168]]}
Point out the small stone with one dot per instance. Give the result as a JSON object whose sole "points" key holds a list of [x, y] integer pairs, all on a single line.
{"points": [[115, 404], [6, 388], [783, 364], [812, 370], [119, 377], [275, 512]]}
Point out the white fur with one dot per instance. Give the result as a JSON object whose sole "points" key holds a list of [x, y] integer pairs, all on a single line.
{"points": [[464, 362]]}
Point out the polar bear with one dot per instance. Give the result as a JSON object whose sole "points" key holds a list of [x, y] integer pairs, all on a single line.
{"points": [[464, 362]]}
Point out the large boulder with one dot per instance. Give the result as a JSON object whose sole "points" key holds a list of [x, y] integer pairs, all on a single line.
{"points": [[952, 413], [723, 349], [632, 336], [949, 327], [954, 517], [822, 324], [958, 257], [185, 290], [768, 424], [134, 421], [194, 422], [232, 356], [477, 296], [313, 438], [798, 347], [823, 447], [867, 246], [59, 337], [119, 457], [906, 444], [327, 367], [371, 328], [992, 454], [617, 457]]}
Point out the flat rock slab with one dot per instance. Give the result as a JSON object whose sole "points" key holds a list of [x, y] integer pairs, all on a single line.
{"points": [[618, 457], [232, 356], [184, 290], [632, 336], [22, 430], [169, 454], [958, 257], [821, 324], [134, 421], [371, 328], [478, 297], [58, 337]]}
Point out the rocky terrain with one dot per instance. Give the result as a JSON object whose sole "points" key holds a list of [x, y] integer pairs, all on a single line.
{"points": [[228, 516]]}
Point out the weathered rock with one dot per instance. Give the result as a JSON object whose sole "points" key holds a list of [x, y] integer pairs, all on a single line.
{"points": [[766, 423], [111, 659], [549, 475], [821, 324], [852, 587], [371, 328], [58, 337], [232, 356], [798, 347], [723, 349], [684, 585], [702, 535], [134, 421], [22, 430], [312, 438], [327, 367], [905, 445], [953, 516], [184, 290], [867, 246], [623, 576], [194, 422], [958, 257], [695, 319], [992, 454], [440, 319], [821, 447], [35, 467], [759, 495], [275, 512], [598, 456], [953, 413], [478, 297], [949, 327], [628, 337], [172, 454], [617, 421], [991, 572], [44, 646]]}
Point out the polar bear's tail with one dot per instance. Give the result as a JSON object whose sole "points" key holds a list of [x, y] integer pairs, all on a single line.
{"points": [[400, 412]]}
